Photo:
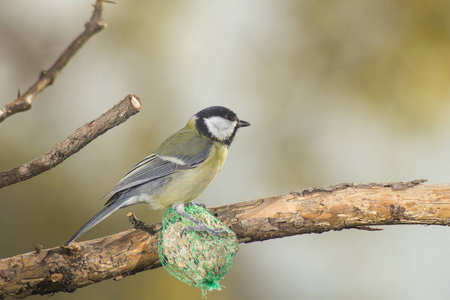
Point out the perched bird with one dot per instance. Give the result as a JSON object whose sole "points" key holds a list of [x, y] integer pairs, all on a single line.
{"points": [[179, 170]]}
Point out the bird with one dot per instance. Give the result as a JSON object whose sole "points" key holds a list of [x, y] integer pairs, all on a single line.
{"points": [[178, 171]]}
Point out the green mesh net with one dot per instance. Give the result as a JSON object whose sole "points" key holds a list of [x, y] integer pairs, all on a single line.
{"points": [[196, 258]]}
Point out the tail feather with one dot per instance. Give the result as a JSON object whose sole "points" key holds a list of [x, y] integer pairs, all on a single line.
{"points": [[103, 214]]}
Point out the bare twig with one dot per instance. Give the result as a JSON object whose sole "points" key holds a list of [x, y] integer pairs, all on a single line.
{"points": [[118, 114], [309, 211], [46, 78], [138, 224]]}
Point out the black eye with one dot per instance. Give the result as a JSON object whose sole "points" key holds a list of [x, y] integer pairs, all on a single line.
{"points": [[229, 117]]}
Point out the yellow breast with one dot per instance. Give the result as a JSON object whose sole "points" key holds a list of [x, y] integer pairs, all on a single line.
{"points": [[186, 185]]}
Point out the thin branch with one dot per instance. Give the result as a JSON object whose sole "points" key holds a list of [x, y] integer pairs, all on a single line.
{"points": [[46, 78], [118, 114], [309, 211]]}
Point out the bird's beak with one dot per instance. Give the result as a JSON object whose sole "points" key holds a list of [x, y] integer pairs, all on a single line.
{"points": [[243, 123]]}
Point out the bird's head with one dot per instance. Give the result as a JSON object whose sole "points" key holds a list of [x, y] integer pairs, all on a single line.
{"points": [[218, 123]]}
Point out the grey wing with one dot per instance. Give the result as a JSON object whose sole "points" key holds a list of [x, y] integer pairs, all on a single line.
{"points": [[157, 166]]}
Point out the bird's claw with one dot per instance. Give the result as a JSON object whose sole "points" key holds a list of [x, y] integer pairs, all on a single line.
{"points": [[202, 205], [214, 232]]}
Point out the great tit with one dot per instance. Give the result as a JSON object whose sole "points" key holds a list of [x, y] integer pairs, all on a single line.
{"points": [[179, 170]]}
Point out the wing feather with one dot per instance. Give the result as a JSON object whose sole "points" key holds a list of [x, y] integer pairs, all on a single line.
{"points": [[164, 163]]}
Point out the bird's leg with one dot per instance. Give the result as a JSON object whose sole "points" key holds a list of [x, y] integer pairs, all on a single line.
{"points": [[202, 205], [179, 209]]}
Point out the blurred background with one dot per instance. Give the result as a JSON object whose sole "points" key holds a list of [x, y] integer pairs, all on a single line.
{"points": [[336, 91]]}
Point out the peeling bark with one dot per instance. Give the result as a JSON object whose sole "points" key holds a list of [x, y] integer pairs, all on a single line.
{"points": [[307, 211]]}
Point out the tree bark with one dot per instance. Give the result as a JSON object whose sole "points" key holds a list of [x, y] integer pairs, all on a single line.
{"points": [[46, 78], [314, 210], [118, 114]]}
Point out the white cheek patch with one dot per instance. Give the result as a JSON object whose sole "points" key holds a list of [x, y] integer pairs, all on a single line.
{"points": [[220, 127]]}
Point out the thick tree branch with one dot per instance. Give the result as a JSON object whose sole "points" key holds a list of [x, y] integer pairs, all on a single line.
{"points": [[118, 114], [308, 211], [24, 102]]}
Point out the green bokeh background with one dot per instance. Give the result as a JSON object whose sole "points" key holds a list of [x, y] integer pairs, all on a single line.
{"points": [[336, 91]]}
